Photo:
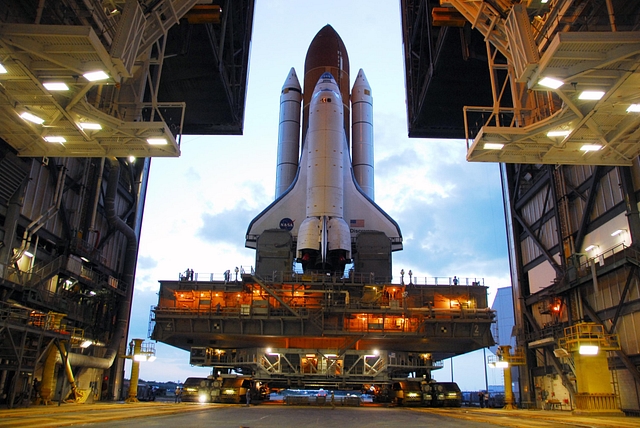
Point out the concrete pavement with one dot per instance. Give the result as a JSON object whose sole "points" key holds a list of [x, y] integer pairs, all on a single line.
{"points": [[82, 414]]}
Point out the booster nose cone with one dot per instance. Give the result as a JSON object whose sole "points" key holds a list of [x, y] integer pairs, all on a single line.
{"points": [[292, 82]]}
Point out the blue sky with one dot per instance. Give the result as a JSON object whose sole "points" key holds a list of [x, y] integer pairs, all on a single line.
{"points": [[199, 205]]}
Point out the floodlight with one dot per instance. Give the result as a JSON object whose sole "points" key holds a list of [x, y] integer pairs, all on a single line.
{"points": [[591, 95], [93, 76], [31, 118], [55, 139], [90, 126], [550, 82], [56, 86], [493, 146], [559, 133], [589, 350]]}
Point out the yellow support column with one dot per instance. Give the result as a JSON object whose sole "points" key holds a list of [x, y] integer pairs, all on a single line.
{"points": [[505, 360], [47, 386], [505, 357], [509, 402], [135, 372], [588, 343]]}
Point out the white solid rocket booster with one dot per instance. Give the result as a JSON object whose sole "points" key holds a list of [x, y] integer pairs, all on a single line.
{"points": [[362, 134], [288, 133]]}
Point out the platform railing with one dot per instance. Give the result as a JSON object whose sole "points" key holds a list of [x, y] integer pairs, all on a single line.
{"points": [[595, 402], [356, 278]]}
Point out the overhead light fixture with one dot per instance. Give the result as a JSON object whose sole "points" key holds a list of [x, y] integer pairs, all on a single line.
{"points": [[151, 358], [93, 76], [493, 146], [90, 126], [139, 358], [591, 147], [31, 118], [2, 69], [591, 95], [157, 141], [132, 159], [28, 254], [618, 232], [561, 353], [591, 247], [56, 86], [55, 139], [559, 133], [550, 82], [634, 108], [502, 364], [86, 344], [589, 350]]}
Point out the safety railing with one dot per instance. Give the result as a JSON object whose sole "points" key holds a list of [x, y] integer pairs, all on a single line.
{"points": [[231, 276], [595, 402], [609, 256]]}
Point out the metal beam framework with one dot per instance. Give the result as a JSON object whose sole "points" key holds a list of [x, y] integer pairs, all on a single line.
{"points": [[533, 123], [530, 185], [110, 116], [315, 366]]}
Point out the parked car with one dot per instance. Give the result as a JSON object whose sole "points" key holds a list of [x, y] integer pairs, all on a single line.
{"points": [[443, 394]]}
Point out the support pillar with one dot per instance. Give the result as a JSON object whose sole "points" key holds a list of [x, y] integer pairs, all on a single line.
{"points": [[47, 386], [135, 372], [508, 390]]}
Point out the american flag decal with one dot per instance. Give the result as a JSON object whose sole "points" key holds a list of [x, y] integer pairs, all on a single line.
{"points": [[356, 223]]}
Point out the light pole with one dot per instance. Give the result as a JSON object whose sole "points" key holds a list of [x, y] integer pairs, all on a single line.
{"points": [[486, 377], [402, 276]]}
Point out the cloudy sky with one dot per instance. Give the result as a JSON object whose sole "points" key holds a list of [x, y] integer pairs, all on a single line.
{"points": [[199, 206]]}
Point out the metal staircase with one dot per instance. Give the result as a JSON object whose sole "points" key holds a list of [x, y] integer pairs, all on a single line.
{"points": [[273, 293]]}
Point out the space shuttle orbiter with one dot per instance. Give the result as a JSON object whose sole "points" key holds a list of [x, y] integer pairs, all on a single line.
{"points": [[324, 195]]}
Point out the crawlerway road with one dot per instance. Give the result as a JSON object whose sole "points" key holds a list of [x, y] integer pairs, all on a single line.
{"points": [[155, 414]]}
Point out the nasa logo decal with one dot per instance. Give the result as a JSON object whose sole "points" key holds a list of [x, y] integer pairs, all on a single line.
{"points": [[286, 224]]}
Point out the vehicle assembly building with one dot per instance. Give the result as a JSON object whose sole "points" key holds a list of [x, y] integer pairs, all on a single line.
{"points": [[553, 96], [89, 92]]}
